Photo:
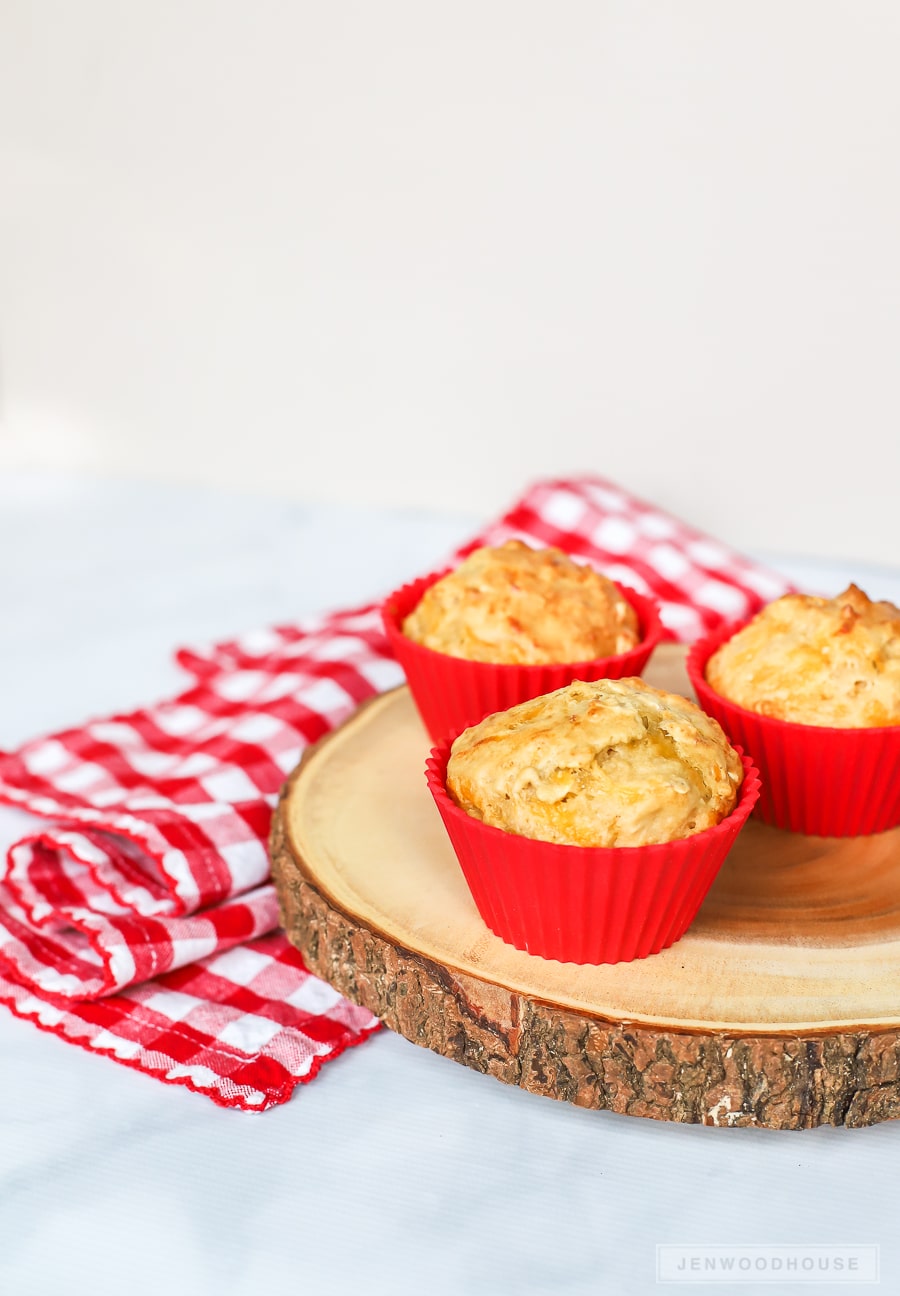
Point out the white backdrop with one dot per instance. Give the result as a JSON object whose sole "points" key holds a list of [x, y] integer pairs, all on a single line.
{"points": [[414, 253]]}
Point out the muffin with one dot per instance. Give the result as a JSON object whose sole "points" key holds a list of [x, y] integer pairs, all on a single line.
{"points": [[610, 763], [815, 661], [589, 824], [810, 687], [524, 607], [512, 623]]}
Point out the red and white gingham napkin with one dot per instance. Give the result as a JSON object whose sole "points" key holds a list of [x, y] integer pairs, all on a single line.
{"points": [[136, 914]]}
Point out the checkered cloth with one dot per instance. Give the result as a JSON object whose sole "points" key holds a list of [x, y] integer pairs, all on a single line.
{"points": [[136, 914]]}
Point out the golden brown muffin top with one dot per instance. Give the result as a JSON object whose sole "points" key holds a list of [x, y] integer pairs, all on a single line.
{"points": [[611, 763], [815, 661], [523, 606]]}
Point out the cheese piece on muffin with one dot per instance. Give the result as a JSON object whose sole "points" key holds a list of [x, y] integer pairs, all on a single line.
{"points": [[611, 763], [815, 661], [524, 607]]}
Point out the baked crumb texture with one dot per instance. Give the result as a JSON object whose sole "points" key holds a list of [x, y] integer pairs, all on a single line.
{"points": [[610, 763], [815, 661], [524, 607]]}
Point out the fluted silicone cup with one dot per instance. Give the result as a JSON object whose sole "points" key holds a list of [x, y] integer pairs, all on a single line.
{"points": [[586, 904], [818, 780], [452, 693]]}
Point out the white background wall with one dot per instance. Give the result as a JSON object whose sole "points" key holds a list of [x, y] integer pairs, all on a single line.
{"points": [[421, 253]]}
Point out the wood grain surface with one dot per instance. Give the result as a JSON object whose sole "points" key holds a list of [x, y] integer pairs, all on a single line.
{"points": [[780, 1007]]}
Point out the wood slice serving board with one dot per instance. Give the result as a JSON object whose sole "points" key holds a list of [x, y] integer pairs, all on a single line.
{"points": [[779, 1008]]}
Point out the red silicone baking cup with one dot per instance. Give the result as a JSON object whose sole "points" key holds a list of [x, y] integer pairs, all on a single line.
{"points": [[586, 904], [453, 693], [818, 780]]}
